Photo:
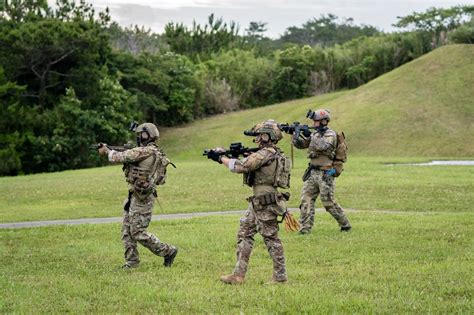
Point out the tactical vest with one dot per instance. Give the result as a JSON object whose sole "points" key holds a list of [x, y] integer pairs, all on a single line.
{"points": [[145, 175], [274, 172], [318, 157]]}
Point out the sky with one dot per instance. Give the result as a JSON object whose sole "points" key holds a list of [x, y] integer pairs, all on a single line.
{"points": [[278, 14]]}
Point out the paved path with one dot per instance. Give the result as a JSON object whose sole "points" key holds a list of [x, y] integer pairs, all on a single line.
{"points": [[157, 217]]}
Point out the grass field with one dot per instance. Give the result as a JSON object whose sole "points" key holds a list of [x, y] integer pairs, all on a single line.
{"points": [[366, 184], [389, 263]]}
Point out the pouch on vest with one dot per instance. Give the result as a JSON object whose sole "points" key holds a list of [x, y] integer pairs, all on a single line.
{"points": [[249, 178], [341, 154], [282, 171], [160, 171], [281, 199], [260, 202]]}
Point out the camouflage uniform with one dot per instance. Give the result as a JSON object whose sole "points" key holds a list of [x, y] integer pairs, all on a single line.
{"points": [[322, 148], [261, 216], [141, 169]]}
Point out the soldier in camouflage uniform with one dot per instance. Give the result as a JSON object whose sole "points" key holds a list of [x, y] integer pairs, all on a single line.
{"points": [[264, 206], [318, 178], [144, 168]]}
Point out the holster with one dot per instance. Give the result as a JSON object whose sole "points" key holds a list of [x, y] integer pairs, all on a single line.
{"points": [[307, 172], [126, 207]]}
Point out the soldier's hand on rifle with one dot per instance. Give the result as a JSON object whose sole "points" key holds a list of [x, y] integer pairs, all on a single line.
{"points": [[102, 149], [215, 155]]}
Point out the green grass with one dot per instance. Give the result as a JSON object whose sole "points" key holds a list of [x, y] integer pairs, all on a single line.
{"points": [[389, 263], [202, 185]]}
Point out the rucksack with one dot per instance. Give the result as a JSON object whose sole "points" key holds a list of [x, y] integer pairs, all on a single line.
{"points": [[161, 163], [282, 171], [341, 154]]}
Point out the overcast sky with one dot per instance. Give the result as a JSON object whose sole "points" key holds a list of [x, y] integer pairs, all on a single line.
{"points": [[279, 14]]}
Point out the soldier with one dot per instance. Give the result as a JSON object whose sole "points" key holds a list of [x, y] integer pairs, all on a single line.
{"points": [[319, 176], [260, 172], [144, 168]]}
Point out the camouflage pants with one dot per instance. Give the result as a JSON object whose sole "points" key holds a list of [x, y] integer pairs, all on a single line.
{"points": [[135, 223], [263, 221], [318, 184]]}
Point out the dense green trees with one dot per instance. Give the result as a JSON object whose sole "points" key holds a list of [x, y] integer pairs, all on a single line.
{"points": [[54, 96], [437, 21], [200, 42], [69, 77], [327, 30]]}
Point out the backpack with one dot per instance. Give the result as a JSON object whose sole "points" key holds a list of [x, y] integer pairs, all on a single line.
{"points": [[161, 164], [282, 171], [341, 154]]}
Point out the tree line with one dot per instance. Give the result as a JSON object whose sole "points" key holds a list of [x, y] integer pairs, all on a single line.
{"points": [[70, 76]]}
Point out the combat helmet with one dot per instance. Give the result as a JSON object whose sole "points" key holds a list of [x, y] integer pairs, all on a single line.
{"points": [[319, 114], [146, 133], [269, 127]]}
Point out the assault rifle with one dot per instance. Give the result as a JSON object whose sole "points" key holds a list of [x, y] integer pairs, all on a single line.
{"points": [[296, 129], [234, 151], [126, 146]]}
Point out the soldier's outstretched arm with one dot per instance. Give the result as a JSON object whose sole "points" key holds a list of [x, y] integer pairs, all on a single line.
{"points": [[129, 156], [246, 165]]}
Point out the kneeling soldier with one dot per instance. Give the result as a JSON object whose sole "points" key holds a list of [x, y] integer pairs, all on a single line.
{"points": [[144, 168], [264, 171]]}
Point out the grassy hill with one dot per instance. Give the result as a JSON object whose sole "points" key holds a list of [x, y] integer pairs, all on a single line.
{"points": [[424, 108]]}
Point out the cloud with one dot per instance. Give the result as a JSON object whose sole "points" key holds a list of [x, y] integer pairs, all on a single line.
{"points": [[279, 14]]}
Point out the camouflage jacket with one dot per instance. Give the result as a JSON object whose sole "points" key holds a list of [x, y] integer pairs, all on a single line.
{"points": [[321, 146], [140, 162], [258, 169]]}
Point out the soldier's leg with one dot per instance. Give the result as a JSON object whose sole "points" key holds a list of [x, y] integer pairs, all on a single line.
{"points": [[140, 217], [245, 241], [269, 230], [327, 186], [132, 258], [308, 197]]}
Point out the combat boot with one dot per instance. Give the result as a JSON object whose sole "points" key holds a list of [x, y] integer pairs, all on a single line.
{"points": [[233, 279], [346, 228], [302, 232], [128, 266], [170, 258]]}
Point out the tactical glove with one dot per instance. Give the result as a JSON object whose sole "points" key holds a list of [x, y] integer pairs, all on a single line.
{"points": [[306, 133], [103, 150], [330, 172], [215, 156]]}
